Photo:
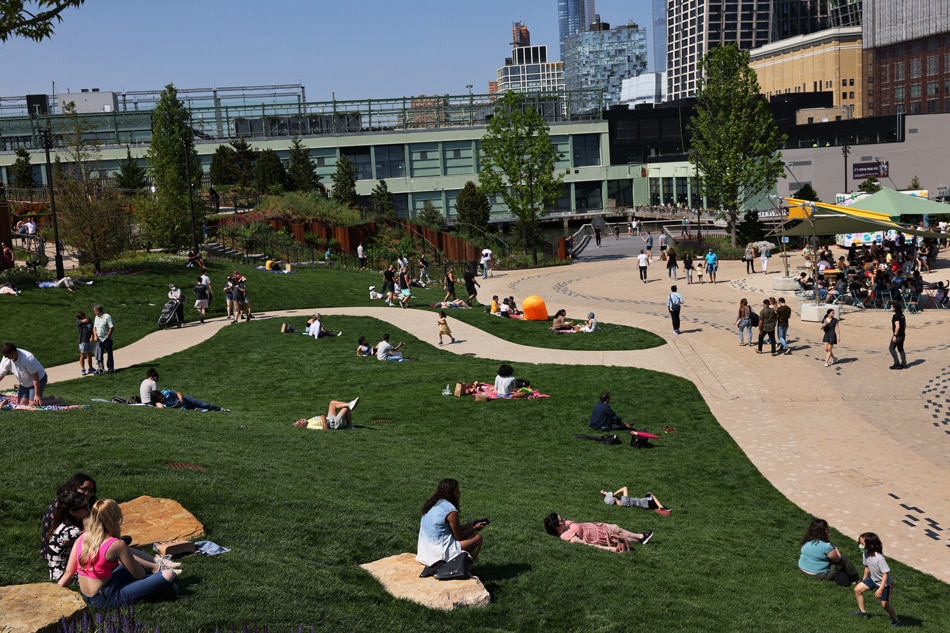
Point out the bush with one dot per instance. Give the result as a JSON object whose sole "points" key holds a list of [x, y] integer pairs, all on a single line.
{"points": [[23, 276]]}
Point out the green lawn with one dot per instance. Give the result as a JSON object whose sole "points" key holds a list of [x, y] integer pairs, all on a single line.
{"points": [[302, 509]]}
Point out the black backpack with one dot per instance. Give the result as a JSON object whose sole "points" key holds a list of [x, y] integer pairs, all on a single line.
{"points": [[753, 318]]}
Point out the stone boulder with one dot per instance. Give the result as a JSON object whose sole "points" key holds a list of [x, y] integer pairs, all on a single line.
{"points": [[37, 607], [149, 520], [399, 576]]}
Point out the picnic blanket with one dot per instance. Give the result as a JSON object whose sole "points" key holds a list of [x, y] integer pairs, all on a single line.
{"points": [[8, 402], [487, 392]]}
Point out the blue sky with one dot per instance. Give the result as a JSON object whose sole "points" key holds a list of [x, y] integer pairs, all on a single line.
{"points": [[362, 49]]}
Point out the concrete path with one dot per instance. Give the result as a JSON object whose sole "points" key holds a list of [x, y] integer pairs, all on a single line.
{"points": [[865, 447]]}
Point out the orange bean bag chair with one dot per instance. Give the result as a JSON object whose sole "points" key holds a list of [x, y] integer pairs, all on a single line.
{"points": [[534, 309]]}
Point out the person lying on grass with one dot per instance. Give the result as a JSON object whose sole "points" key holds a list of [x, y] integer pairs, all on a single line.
{"points": [[608, 536], [339, 416], [648, 502], [170, 399]]}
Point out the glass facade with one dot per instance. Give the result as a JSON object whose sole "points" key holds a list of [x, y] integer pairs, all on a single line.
{"points": [[602, 59], [573, 16]]}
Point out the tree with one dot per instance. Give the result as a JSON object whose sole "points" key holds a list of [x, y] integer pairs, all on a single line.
{"points": [[19, 18], [270, 177], [735, 140], [914, 183], [132, 176], [222, 171], [301, 172], [517, 162], [245, 158], [91, 217], [381, 201], [472, 210], [807, 192], [430, 216], [870, 185], [344, 183], [171, 157], [21, 173]]}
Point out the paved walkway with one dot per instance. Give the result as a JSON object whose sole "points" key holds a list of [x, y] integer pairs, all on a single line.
{"points": [[862, 446]]}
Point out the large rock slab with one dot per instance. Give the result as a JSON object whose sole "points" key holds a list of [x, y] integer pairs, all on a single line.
{"points": [[399, 576], [150, 519], [37, 607]]}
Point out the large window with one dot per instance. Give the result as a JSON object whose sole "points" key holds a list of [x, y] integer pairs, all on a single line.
{"points": [[390, 161], [587, 196], [459, 157], [359, 156], [562, 145], [425, 159], [586, 148]]}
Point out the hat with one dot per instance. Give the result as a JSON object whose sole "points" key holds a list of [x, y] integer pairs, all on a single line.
{"points": [[171, 286], [372, 287]]}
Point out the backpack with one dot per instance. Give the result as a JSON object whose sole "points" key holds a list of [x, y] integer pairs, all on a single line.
{"points": [[637, 441], [753, 318]]}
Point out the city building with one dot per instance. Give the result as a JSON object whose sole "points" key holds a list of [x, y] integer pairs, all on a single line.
{"points": [[528, 69], [645, 88], [573, 16], [602, 57], [824, 61], [659, 36], [907, 60]]}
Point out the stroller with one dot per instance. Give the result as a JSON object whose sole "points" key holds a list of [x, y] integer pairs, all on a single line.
{"points": [[169, 315]]}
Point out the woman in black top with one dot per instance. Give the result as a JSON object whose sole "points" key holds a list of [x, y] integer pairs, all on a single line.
{"points": [[898, 329]]}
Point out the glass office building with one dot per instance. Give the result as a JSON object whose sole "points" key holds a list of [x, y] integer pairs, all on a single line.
{"points": [[601, 58]]}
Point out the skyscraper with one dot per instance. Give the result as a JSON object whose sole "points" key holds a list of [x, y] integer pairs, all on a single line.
{"points": [[528, 68], [601, 58], [659, 35], [573, 16]]}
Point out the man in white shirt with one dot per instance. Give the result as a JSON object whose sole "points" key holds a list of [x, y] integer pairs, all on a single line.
{"points": [[29, 373], [387, 351], [486, 263], [643, 260]]}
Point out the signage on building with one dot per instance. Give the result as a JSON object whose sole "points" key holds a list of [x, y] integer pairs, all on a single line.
{"points": [[877, 169]]}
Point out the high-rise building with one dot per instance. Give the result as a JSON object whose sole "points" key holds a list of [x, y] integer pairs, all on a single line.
{"points": [[601, 58], [528, 68], [573, 16], [659, 36]]}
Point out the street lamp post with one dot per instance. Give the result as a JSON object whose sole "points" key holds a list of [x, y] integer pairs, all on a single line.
{"points": [[471, 105], [845, 150], [47, 142], [191, 197]]}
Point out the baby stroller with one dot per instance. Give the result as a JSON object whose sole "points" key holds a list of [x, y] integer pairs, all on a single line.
{"points": [[169, 315]]}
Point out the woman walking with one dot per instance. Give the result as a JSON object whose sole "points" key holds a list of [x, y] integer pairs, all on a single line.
{"points": [[744, 322], [832, 335]]}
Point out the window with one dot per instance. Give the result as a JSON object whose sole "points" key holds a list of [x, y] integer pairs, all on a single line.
{"points": [[915, 91], [932, 66], [390, 161], [851, 82], [933, 88], [844, 82], [898, 71], [899, 93], [915, 69], [586, 149], [851, 95], [844, 95]]}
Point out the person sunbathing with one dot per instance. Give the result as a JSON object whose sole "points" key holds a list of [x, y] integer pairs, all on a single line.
{"points": [[339, 416], [560, 322], [608, 536], [171, 399], [621, 498]]}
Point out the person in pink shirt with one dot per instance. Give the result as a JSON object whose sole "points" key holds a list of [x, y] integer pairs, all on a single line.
{"points": [[608, 536]]}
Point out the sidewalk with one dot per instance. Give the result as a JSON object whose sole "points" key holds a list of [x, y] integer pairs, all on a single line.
{"points": [[861, 446]]}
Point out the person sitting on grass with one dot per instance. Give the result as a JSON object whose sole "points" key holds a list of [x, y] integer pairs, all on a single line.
{"points": [[110, 576], [315, 328], [603, 418], [387, 351], [505, 384], [589, 326], [363, 348], [560, 322], [823, 561], [339, 416], [608, 536], [171, 399], [648, 502]]}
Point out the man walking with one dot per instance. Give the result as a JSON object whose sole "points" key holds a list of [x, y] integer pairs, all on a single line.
{"points": [[673, 304], [648, 241], [782, 315], [898, 328], [642, 262], [202, 294], [712, 265], [766, 326], [102, 329]]}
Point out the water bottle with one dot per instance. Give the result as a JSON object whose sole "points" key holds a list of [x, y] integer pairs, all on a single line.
{"points": [[447, 391]]}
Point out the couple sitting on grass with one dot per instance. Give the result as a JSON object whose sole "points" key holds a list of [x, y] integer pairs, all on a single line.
{"points": [[561, 325]]}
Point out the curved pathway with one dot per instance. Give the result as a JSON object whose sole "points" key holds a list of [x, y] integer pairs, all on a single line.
{"points": [[862, 446]]}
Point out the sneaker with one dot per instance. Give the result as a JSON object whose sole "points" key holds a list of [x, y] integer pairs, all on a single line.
{"points": [[897, 622], [82, 372], [788, 351], [896, 367], [339, 333], [860, 614], [646, 537], [226, 410], [352, 403]]}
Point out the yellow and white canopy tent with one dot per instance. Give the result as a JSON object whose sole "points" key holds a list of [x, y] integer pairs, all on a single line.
{"points": [[822, 218]]}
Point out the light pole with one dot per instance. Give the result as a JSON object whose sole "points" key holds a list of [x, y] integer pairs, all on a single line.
{"points": [[47, 142], [191, 197], [471, 105], [845, 150]]}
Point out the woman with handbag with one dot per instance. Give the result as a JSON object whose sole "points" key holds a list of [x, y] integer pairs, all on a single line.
{"points": [[441, 535]]}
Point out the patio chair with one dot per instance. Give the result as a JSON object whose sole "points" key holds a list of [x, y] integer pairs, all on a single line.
{"points": [[856, 301], [911, 301]]}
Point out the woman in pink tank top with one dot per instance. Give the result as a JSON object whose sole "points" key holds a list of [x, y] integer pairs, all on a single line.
{"points": [[110, 575]]}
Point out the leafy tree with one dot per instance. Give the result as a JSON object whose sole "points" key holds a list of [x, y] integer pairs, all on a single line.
{"points": [[131, 176], [91, 217], [222, 171], [870, 185], [751, 229], [269, 173], [472, 210], [32, 19], [914, 183], [21, 172], [381, 201], [807, 192], [517, 158], [735, 140], [165, 217], [344, 182], [430, 216], [245, 158], [301, 172]]}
